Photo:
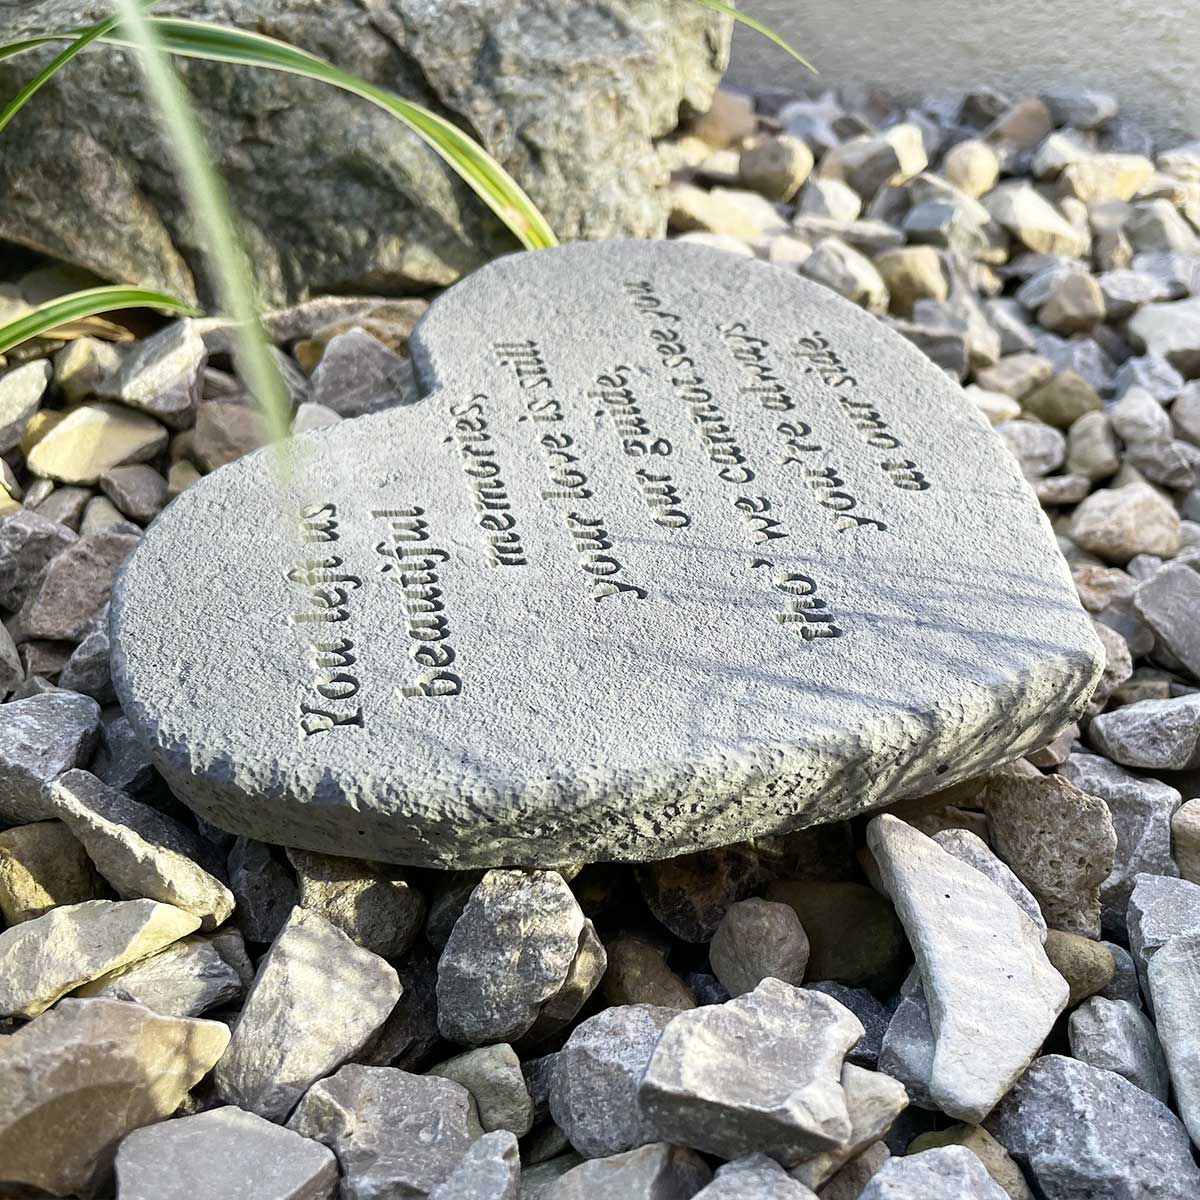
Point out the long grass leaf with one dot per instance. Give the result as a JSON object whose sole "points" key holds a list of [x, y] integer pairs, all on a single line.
{"points": [[210, 209], [64, 309], [56, 64], [759, 27]]}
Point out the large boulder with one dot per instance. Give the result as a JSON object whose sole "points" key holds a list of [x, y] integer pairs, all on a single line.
{"points": [[334, 194]]}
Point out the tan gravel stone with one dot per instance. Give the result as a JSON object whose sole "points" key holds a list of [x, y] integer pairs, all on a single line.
{"points": [[1118, 523], [42, 865], [93, 439], [76, 1080], [1087, 966], [43, 959]]}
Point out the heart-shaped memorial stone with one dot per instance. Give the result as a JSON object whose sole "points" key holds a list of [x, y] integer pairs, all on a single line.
{"points": [[679, 549]]}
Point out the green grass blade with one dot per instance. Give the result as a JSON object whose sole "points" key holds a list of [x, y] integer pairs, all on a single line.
{"points": [[482, 173], [64, 309], [209, 205], [81, 43], [758, 27]]}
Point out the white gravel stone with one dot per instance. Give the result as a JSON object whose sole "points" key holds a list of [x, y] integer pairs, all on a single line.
{"points": [[761, 1072], [162, 375], [21, 391], [223, 1154], [993, 995], [1168, 602], [971, 849], [316, 1000]]}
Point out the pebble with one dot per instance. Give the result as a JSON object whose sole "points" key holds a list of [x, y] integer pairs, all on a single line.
{"points": [[829, 198], [162, 375], [973, 944], [776, 166], [1118, 523], [139, 491], [509, 953], [70, 594], [86, 1074], [1173, 975], [849, 273], [219, 1155], [65, 505], [264, 890], [691, 894], [972, 166], [912, 273], [358, 374], [224, 432], [758, 939], [82, 365], [594, 1088], [1092, 447], [873, 958], [316, 999], [93, 439], [1062, 400], [186, 979], [492, 1074], [648, 1173], [638, 974], [394, 1133], [1039, 448], [1087, 965], [1083, 1132], [490, 1170], [44, 958], [1033, 220], [947, 1173], [1016, 375], [874, 1101], [1185, 837], [374, 906], [1167, 601], [996, 1160], [140, 851], [1171, 331], [1153, 734], [42, 865], [1141, 810], [758, 1073], [21, 391], [1114, 1035], [755, 1177], [1075, 304], [1059, 841], [870, 162], [40, 738]]}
